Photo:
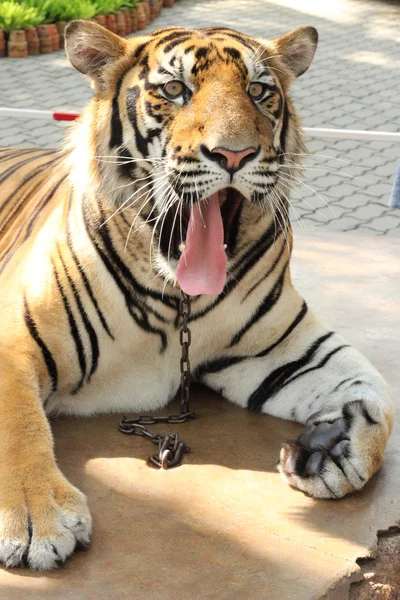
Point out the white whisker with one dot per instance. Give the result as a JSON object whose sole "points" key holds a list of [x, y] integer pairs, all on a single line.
{"points": [[119, 209], [129, 159], [323, 169], [299, 181], [314, 155], [147, 200], [157, 184]]}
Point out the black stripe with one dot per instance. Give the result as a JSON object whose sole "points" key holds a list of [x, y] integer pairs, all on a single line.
{"points": [[265, 306], [47, 355], [330, 490], [170, 301], [86, 282], [21, 184], [274, 382], [140, 317], [297, 320], [178, 32], [89, 290], [144, 63], [14, 153], [176, 42], [348, 412], [285, 125], [142, 143], [339, 385], [266, 73], [253, 254], [361, 478], [225, 362], [239, 38], [116, 138], [139, 51], [150, 112], [231, 235], [217, 365], [74, 333], [190, 176], [187, 159], [321, 364], [233, 53], [246, 262], [268, 273], [367, 416], [94, 344], [203, 52], [339, 465], [11, 170], [119, 271], [31, 223]]}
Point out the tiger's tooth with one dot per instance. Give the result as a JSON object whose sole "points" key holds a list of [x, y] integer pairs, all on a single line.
{"points": [[225, 246], [182, 247]]}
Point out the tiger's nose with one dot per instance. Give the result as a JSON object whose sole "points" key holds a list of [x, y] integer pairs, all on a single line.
{"points": [[230, 160]]}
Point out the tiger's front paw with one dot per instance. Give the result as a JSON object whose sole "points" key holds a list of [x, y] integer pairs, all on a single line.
{"points": [[42, 518], [336, 454]]}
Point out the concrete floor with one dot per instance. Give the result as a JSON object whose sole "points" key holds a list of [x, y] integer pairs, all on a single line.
{"points": [[223, 525]]}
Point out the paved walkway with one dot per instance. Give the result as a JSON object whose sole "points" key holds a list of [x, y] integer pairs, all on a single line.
{"points": [[353, 83]]}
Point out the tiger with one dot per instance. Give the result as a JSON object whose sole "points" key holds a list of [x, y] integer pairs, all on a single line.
{"points": [[175, 180]]}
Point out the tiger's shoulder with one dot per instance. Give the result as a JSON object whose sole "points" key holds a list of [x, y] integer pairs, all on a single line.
{"points": [[32, 182]]}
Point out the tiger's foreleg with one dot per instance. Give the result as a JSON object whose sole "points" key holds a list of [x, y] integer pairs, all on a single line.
{"points": [[42, 516], [315, 378]]}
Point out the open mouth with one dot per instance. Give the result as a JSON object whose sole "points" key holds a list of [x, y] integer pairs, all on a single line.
{"points": [[201, 240]]}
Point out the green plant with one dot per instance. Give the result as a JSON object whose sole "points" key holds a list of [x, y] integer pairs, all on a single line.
{"points": [[76, 9], [104, 7], [42, 6], [15, 15], [62, 10], [129, 3]]}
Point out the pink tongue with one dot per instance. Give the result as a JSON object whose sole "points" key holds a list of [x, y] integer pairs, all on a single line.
{"points": [[202, 267]]}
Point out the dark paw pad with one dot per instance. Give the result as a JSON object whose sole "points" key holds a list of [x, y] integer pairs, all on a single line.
{"points": [[324, 435], [306, 456]]}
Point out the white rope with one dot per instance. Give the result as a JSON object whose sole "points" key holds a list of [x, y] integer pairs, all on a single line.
{"points": [[315, 132], [23, 113], [353, 134]]}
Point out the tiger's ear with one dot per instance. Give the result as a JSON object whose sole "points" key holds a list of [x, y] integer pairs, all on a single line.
{"points": [[91, 48], [297, 49]]}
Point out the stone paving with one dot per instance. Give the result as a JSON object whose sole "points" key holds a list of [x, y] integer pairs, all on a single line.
{"points": [[353, 83]]}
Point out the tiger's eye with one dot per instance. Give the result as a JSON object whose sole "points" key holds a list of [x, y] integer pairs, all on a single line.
{"points": [[256, 90], [173, 89]]}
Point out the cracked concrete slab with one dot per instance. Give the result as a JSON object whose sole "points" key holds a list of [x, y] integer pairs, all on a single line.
{"points": [[223, 525], [381, 573]]}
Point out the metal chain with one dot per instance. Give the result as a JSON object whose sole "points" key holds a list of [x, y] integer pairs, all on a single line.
{"points": [[185, 339], [170, 449]]}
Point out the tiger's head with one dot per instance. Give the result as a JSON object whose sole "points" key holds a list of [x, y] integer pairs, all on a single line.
{"points": [[196, 130]]}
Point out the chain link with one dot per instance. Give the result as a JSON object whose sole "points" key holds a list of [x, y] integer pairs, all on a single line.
{"points": [[170, 449], [185, 339]]}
